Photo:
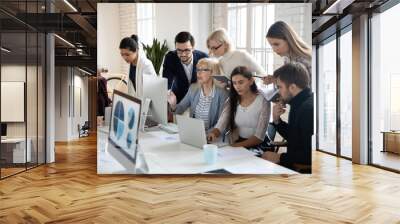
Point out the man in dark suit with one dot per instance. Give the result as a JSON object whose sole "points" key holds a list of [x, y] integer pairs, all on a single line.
{"points": [[293, 84], [180, 65]]}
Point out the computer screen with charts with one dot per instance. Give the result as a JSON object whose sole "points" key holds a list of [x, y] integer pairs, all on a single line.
{"points": [[124, 123]]}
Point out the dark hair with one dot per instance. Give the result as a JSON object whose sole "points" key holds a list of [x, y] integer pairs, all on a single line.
{"points": [[184, 37], [135, 37], [234, 98], [293, 73], [128, 43]]}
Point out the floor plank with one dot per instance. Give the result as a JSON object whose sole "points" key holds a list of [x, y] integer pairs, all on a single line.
{"points": [[70, 191]]}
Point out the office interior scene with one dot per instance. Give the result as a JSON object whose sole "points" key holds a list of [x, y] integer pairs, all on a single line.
{"points": [[49, 175], [174, 146], [44, 85]]}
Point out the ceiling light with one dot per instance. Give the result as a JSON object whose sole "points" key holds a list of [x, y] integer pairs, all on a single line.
{"points": [[5, 50], [337, 7], [70, 5], [65, 41], [86, 72]]}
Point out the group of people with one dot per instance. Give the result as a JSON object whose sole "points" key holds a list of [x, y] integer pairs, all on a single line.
{"points": [[237, 111]]}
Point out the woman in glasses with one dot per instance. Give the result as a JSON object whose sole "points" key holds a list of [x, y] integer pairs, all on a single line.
{"points": [[204, 98], [286, 43], [220, 46], [138, 62]]}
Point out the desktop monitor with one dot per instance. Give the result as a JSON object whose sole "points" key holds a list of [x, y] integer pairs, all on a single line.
{"points": [[156, 89], [124, 123], [3, 129]]}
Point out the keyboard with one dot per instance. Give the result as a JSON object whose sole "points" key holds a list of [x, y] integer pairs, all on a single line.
{"points": [[170, 128], [150, 123]]}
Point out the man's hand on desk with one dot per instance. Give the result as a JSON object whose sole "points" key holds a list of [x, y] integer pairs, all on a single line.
{"points": [[272, 156]]}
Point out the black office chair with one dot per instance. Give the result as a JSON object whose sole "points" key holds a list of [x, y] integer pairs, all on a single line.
{"points": [[84, 130], [269, 144]]}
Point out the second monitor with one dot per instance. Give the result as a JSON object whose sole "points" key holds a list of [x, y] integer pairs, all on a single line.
{"points": [[156, 89]]}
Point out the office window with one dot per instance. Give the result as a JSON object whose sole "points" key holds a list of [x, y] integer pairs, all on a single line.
{"points": [[145, 22], [247, 27], [327, 96], [346, 94], [385, 86], [22, 88]]}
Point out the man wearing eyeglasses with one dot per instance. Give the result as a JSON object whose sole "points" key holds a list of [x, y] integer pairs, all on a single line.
{"points": [[180, 65]]}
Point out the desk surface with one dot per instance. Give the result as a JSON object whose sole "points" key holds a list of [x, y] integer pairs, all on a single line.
{"points": [[162, 153], [391, 132]]}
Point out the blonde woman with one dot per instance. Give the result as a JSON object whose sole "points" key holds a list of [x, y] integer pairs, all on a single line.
{"points": [[220, 46], [286, 43], [204, 98]]}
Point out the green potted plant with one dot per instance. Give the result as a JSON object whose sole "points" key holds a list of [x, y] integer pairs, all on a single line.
{"points": [[156, 52]]}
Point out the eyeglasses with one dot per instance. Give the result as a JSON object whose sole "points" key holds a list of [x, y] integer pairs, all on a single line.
{"points": [[216, 48], [184, 51], [203, 70]]}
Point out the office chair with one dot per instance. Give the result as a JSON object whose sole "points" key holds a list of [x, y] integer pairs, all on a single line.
{"points": [[269, 144], [84, 130]]}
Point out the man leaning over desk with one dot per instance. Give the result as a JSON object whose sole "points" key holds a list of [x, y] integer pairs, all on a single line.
{"points": [[293, 84]]}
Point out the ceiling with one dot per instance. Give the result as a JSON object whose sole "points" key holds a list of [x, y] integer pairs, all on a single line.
{"points": [[76, 22]]}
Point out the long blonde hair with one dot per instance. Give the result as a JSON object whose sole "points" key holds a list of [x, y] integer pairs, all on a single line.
{"points": [[297, 47]]}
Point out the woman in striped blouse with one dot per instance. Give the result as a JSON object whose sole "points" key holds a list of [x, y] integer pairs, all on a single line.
{"points": [[205, 98]]}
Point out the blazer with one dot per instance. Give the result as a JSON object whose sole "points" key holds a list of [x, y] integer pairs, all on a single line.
{"points": [[192, 99], [143, 67], [175, 73]]}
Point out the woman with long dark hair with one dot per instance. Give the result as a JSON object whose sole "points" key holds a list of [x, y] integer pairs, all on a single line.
{"points": [[139, 65], [246, 113]]}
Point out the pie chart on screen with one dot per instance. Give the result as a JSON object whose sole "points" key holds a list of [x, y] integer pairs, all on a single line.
{"points": [[118, 120], [131, 118]]}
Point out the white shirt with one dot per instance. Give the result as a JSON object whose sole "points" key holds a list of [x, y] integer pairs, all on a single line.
{"points": [[188, 69], [232, 59], [247, 118]]}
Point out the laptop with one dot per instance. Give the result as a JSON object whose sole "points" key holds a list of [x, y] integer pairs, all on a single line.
{"points": [[192, 132]]}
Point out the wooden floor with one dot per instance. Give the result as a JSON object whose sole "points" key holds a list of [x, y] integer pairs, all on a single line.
{"points": [[387, 159], [70, 191]]}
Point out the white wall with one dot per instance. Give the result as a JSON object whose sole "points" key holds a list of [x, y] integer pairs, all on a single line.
{"points": [[192, 17], [172, 18], [33, 127], [61, 103], [16, 73], [118, 20], [68, 80], [80, 82], [108, 37], [201, 24]]}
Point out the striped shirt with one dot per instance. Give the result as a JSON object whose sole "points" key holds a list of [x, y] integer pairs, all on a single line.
{"points": [[203, 108]]}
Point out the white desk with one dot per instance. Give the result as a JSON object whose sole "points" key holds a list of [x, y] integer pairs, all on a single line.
{"points": [[162, 153], [18, 149], [109, 159]]}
